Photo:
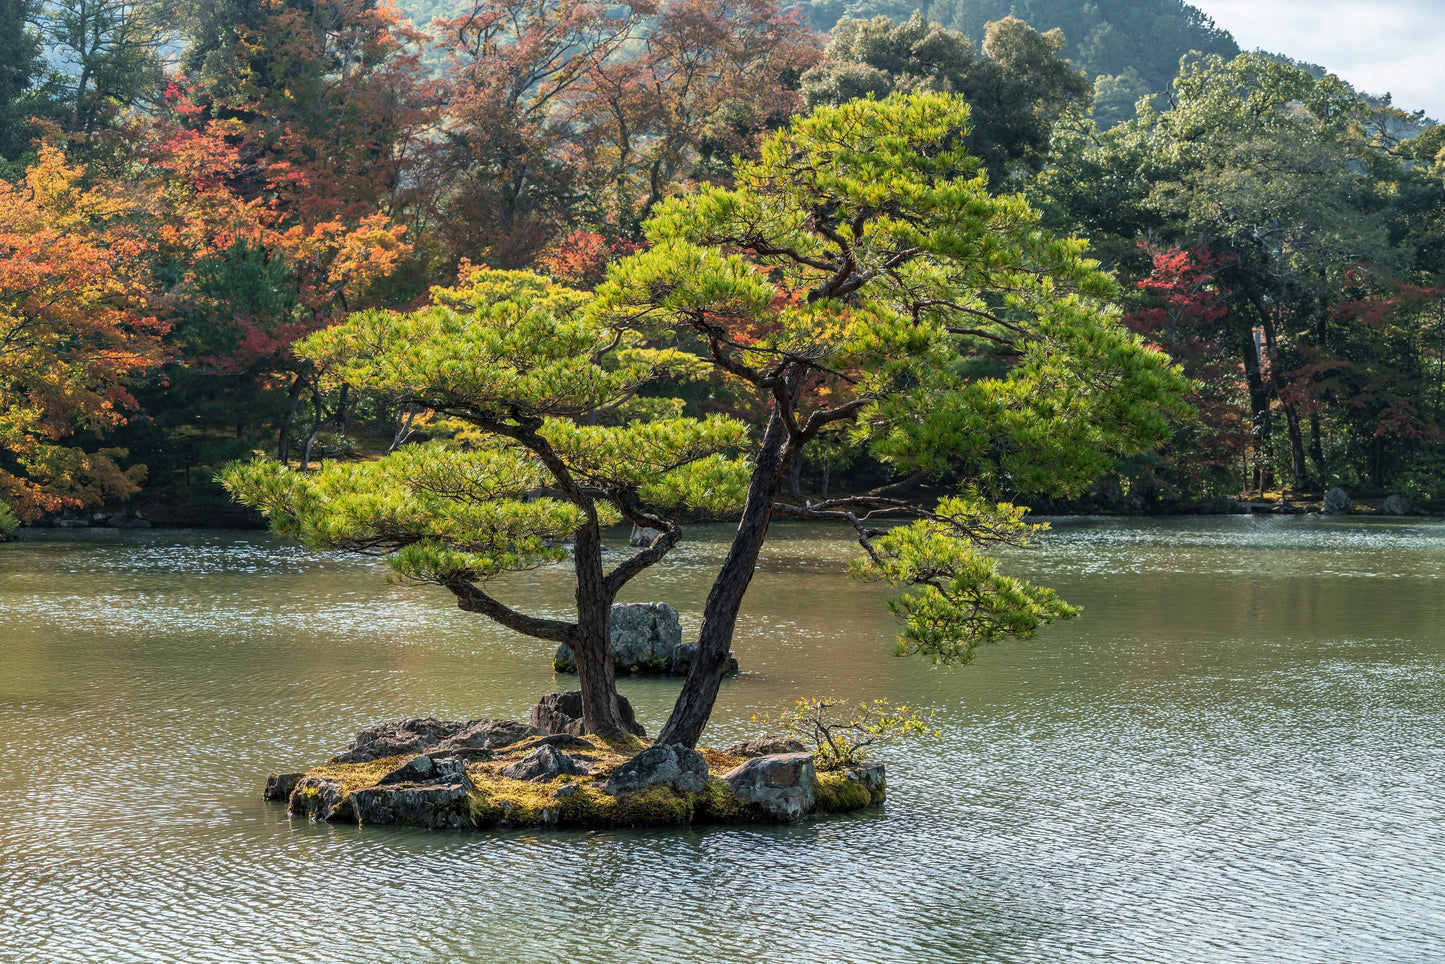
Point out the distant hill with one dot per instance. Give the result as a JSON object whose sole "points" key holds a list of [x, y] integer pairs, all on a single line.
{"points": [[1131, 46], [1105, 37]]}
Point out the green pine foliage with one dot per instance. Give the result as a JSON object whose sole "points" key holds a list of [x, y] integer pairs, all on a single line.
{"points": [[516, 357], [863, 258]]}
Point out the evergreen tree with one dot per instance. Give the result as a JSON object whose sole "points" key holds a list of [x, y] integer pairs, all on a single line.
{"points": [[858, 276], [20, 72]]}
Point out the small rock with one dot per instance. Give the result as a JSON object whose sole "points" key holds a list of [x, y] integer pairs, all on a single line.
{"points": [[544, 763], [280, 785], [319, 798], [784, 785], [424, 769], [562, 741], [677, 766], [766, 746], [871, 779], [564, 791], [561, 713], [643, 535], [1338, 502]]}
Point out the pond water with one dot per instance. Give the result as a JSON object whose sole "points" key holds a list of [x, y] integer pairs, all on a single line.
{"points": [[1236, 754]]}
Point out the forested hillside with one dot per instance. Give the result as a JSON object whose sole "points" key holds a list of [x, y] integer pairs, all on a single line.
{"points": [[187, 190]]}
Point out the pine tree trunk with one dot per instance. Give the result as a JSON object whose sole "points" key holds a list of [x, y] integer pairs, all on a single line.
{"points": [[596, 675], [699, 690]]}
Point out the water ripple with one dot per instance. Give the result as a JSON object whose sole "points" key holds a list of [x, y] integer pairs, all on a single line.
{"points": [[1233, 757]]}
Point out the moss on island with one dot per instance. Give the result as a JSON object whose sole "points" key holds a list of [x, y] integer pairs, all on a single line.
{"points": [[468, 789]]}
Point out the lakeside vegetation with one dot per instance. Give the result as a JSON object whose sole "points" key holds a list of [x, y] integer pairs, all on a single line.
{"points": [[191, 189]]}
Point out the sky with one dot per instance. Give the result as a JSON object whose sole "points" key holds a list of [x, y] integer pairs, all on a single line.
{"points": [[1376, 45]]}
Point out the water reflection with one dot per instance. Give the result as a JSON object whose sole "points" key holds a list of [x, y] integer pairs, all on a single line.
{"points": [[1234, 756]]}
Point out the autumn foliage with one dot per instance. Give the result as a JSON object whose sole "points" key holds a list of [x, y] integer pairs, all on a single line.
{"points": [[74, 327]]}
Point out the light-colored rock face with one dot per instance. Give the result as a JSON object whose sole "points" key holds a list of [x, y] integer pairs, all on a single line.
{"points": [[785, 784], [644, 638], [645, 634], [441, 805], [677, 766], [1338, 502]]}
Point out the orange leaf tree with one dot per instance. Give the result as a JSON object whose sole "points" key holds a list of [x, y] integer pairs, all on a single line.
{"points": [[73, 332]]}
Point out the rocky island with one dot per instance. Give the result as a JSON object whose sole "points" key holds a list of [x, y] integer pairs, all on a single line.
{"points": [[490, 773]]}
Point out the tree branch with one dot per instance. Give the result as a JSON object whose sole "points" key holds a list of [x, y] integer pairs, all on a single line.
{"points": [[473, 600]]}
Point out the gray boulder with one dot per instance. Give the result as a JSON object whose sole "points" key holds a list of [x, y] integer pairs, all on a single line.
{"points": [[424, 769], [677, 766], [1338, 502], [561, 713], [784, 785], [544, 763], [319, 799], [280, 785], [644, 636], [1396, 505], [766, 746], [642, 535], [440, 805]]}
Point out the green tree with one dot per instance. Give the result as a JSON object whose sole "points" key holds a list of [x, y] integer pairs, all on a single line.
{"points": [[858, 276], [110, 56], [1017, 90], [516, 358], [1281, 175], [1106, 37], [20, 72]]}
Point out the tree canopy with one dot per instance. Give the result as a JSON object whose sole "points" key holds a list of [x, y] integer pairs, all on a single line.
{"points": [[858, 273], [1017, 90]]}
